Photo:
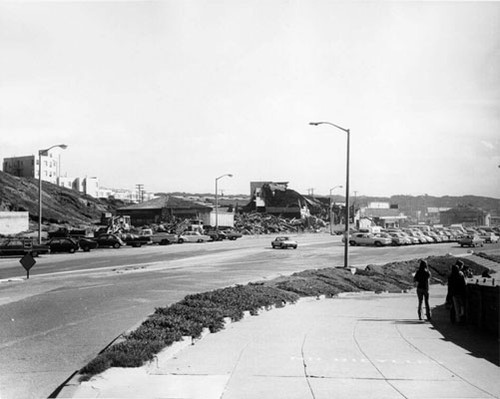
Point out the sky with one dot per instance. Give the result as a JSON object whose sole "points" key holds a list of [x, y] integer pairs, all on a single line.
{"points": [[173, 94]]}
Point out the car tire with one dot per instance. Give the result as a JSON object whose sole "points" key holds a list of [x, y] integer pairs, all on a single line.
{"points": [[34, 254], [116, 245], [71, 250], [378, 244], [352, 243], [164, 242], [86, 249], [181, 240], [200, 240]]}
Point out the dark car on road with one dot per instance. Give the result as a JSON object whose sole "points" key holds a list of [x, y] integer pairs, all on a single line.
{"points": [[110, 240], [21, 246]]}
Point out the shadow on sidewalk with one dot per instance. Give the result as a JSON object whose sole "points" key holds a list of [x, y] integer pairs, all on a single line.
{"points": [[479, 343]]}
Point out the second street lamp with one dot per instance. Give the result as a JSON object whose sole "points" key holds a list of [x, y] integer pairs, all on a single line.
{"points": [[346, 238], [44, 153], [217, 200]]}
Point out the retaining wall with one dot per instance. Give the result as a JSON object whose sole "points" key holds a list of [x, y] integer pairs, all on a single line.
{"points": [[483, 305]]}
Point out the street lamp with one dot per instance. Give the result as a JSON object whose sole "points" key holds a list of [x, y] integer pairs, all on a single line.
{"points": [[331, 211], [346, 243], [45, 153], [217, 200]]}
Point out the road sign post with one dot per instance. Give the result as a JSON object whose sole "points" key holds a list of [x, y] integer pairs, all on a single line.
{"points": [[27, 261]]}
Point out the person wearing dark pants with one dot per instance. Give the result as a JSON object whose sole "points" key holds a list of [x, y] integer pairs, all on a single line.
{"points": [[457, 290], [422, 278]]}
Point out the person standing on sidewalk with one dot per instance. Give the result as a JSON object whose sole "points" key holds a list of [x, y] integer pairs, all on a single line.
{"points": [[422, 278], [457, 290]]}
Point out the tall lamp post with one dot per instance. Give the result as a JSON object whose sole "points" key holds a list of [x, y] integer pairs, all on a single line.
{"points": [[44, 153], [346, 243], [331, 211], [217, 200]]}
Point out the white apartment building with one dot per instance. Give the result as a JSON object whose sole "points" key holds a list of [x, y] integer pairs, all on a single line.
{"points": [[27, 166]]}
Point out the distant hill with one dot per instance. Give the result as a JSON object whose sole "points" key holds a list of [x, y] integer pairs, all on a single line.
{"points": [[60, 205], [409, 205], [65, 206]]}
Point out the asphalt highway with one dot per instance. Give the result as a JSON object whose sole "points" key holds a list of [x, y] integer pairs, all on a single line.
{"points": [[73, 305]]}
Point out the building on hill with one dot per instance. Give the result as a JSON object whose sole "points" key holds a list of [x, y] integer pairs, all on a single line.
{"points": [[162, 209], [465, 215], [28, 166]]}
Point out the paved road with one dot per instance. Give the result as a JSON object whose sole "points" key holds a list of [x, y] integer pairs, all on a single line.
{"points": [[73, 305]]}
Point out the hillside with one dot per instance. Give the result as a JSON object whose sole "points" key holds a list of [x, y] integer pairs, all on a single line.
{"points": [[65, 206], [60, 205]]}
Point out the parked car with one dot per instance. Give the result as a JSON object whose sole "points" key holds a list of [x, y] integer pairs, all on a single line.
{"points": [[490, 238], [135, 240], [215, 235], [471, 240], [399, 238], [283, 243], [63, 245], [110, 240], [21, 246], [416, 237], [160, 237], [230, 235], [194, 236], [86, 244], [436, 237], [369, 239]]}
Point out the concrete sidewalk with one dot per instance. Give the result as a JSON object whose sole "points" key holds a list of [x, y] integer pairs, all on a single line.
{"points": [[355, 346]]}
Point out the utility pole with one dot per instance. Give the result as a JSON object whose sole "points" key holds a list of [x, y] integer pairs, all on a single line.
{"points": [[140, 192]]}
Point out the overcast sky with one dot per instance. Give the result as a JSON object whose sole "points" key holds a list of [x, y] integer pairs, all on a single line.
{"points": [[173, 94]]}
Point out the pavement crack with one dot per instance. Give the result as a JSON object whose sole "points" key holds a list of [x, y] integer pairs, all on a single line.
{"points": [[372, 362], [305, 367], [233, 370]]}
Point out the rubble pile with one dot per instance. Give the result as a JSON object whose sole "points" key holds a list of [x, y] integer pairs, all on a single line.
{"points": [[262, 223]]}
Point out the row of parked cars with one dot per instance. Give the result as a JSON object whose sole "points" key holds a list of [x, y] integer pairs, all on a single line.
{"points": [[23, 245], [411, 236]]}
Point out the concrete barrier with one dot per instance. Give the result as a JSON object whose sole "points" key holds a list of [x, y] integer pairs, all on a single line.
{"points": [[483, 306]]}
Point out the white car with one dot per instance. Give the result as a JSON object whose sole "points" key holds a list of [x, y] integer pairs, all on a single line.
{"points": [[369, 239], [283, 243], [490, 238], [193, 236]]}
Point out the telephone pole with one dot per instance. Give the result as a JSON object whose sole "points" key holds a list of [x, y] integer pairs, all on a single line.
{"points": [[140, 192]]}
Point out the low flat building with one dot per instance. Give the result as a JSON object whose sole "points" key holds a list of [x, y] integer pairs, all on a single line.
{"points": [[162, 209]]}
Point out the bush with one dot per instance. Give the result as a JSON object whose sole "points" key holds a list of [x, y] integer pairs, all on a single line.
{"points": [[207, 310]]}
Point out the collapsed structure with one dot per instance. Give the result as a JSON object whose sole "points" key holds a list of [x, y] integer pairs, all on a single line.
{"points": [[275, 198]]}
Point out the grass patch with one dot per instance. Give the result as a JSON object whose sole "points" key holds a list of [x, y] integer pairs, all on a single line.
{"points": [[207, 310]]}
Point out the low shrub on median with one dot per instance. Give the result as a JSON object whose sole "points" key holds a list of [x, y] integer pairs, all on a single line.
{"points": [[186, 318], [207, 310]]}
